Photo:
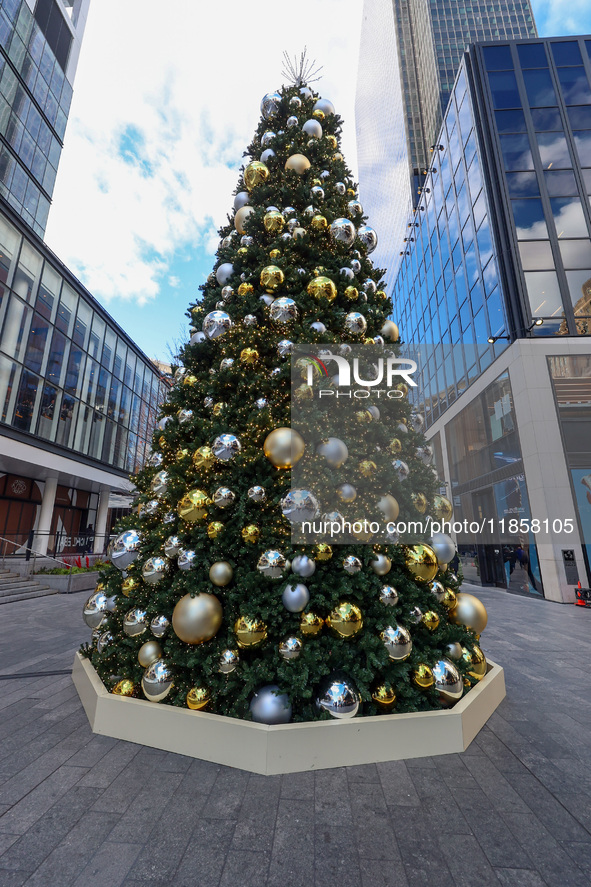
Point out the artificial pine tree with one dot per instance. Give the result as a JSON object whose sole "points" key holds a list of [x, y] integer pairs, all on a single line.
{"points": [[209, 602]]}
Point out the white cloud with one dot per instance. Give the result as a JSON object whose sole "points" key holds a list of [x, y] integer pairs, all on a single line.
{"points": [[557, 17], [184, 83]]}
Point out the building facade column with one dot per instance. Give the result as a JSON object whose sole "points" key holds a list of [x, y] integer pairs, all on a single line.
{"points": [[101, 522], [45, 516]]}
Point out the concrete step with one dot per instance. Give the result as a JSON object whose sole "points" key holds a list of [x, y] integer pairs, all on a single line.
{"points": [[17, 582], [27, 595]]}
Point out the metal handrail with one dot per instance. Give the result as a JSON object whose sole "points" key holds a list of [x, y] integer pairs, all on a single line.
{"points": [[32, 551]]}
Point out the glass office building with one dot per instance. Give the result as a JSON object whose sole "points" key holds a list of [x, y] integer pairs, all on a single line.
{"points": [[499, 243]]}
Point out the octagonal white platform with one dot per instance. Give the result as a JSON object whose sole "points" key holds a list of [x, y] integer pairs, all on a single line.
{"points": [[288, 748]]}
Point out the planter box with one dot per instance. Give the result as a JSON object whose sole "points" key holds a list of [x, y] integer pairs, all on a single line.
{"points": [[288, 748], [77, 581]]}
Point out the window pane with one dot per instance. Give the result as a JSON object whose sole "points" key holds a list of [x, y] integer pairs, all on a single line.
{"points": [[561, 183], [568, 217], [539, 88], [56, 361], [579, 285], [67, 310], [529, 219], [496, 58], [567, 52], [27, 273], [583, 143], [587, 179], [503, 87], [532, 55], [575, 86], [576, 253], [9, 243], [36, 344], [553, 150], [16, 328], [546, 119], [543, 293], [516, 152], [47, 412], [67, 418], [536, 255], [580, 116], [510, 121], [523, 184], [25, 402]]}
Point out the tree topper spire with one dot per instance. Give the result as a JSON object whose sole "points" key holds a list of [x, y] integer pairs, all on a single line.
{"points": [[299, 73]]}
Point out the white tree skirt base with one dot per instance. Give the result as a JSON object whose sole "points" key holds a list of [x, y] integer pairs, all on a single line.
{"points": [[288, 748]]}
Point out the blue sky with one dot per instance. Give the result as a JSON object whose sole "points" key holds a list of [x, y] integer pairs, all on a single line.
{"points": [[155, 139]]}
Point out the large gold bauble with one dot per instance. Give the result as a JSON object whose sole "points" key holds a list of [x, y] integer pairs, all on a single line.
{"points": [[271, 278], [245, 289], [352, 293], [249, 355], [337, 157], [218, 408], [442, 508], [319, 222], [323, 552], [197, 619], [284, 447], [249, 632], [345, 620], [469, 611], [360, 529], [449, 599], [476, 662], [423, 676], [298, 162], [389, 507], [304, 392], [395, 447], [255, 174], [193, 506], [311, 624], [421, 561], [149, 653], [182, 454], [275, 254], [214, 529], [203, 458], [419, 500], [128, 585], [430, 620], [332, 141], [274, 222], [221, 573], [318, 114], [124, 688], [243, 251], [390, 331], [384, 696], [190, 380], [251, 534], [198, 698], [322, 288], [241, 217], [367, 468]]}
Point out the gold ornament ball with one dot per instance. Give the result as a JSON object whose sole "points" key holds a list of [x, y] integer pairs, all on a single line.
{"points": [[218, 408], [271, 278], [149, 653], [193, 506], [214, 529], [337, 157], [423, 676], [249, 355], [198, 698], [381, 294], [390, 331], [203, 458], [381, 565], [255, 174], [299, 163], [322, 288], [332, 141], [284, 447], [420, 502], [221, 573], [323, 552], [448, 599], [421, 561], [197, 619], [430, 620], [124, 688], [367, 468], [469, 611], [251, 534], [128, 585], [249, 632], [182, 454], [384, 696], [311, 624], [352, 293], [389, 507], [190, 381], [245, 289], [241, 217], [274, 222], [304, 392], [360, 529], [395, 447], [319, 222], [403, 387], [318, 114], [363, 417], [476, 662], [242, 251], [442, 508], [318, 270], [345, 620], [275, 254]]}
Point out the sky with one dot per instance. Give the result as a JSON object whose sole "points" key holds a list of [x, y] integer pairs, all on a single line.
{"points": [[166, 99]]}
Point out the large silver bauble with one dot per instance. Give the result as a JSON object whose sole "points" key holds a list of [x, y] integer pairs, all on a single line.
{"points": [[325, 106], [149, 653], [156, 460], [425, 454], [223, 497], [159, 626], [291, 122], [305, 92], [317, 193], [355, 266], [267, 155], [355, 209], [165, 420], [266, 139], [443, 547], [154, 570], [346, 492], [228, 661], [388, 595], [135, 622], [401, 469], [270, 706], [299, 505], [454, 650], [224, 273], [187, 559], [397, 641], [216, 323], [157, 681], [340, 188], [334, 451], [343, 231], [226, 447], [283, 310], [270, 104], [312, 128], [169, 518], [198, 337], [355, 323], [104, 641], [368, 237], [96, 610], [125, 548], [337, 696], [303, 566], [241, 199], [369, 286], [284, 348], [417, 422], [318, 327], [183, 416], [346, 272], [352, 564], [381, 565], [290, 648], [147, 509], [272, 564], [448, 681], [295, 597], [159, 483], [257, 494]]}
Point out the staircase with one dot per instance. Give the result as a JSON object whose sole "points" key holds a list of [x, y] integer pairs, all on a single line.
{"points": [[14, 587]]}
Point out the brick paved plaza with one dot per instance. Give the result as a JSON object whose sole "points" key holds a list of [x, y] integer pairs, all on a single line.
{"points": [[513, 810]]}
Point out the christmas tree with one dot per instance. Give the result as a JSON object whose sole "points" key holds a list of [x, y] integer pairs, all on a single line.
{"points": [[213, 601]]}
